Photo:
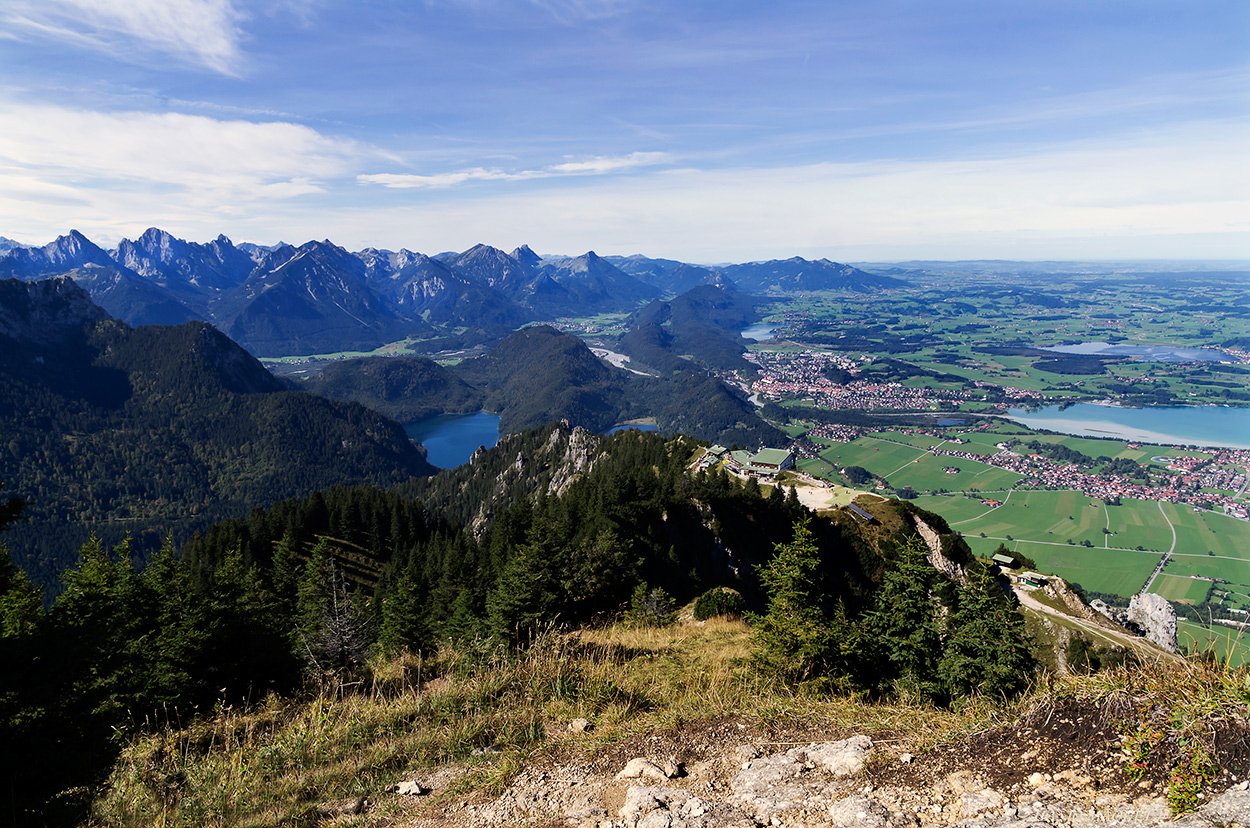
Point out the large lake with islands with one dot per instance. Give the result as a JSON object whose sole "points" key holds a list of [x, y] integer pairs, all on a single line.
{"points": [[1203, 425], [1143, 353], [451, 439]]}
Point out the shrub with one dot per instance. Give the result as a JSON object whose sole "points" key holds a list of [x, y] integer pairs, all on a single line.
{"points": [[650, 608], [719, 601]]}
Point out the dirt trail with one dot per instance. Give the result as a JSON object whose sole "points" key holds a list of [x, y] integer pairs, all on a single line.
{"points": [[1122, 638]]}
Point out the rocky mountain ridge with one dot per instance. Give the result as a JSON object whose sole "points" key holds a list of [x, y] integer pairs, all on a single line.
{"points": [[320, 298]]}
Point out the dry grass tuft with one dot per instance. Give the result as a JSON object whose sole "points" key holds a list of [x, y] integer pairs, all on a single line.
{"points": [[274, 763]]}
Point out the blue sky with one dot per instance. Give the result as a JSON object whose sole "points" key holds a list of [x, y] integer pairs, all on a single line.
{"points": [[708, 132]]}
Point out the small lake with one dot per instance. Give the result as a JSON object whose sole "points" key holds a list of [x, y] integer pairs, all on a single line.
{"points": [[760, 331], [1201, 425], [1143, 353], [451, 439]]}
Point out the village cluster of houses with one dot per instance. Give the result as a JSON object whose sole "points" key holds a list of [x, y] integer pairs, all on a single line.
{"points": [[788, 374], [1052, 474]]}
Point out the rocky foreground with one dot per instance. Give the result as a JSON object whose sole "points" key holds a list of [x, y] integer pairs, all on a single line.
{"points": [[1062, 764]]}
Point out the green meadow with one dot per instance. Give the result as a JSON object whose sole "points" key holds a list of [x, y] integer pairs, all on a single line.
{"points": [[1184, 590], [908, 465]]}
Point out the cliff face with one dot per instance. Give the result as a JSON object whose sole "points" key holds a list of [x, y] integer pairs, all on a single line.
{"points": [[45, 312], [1154, 617]]}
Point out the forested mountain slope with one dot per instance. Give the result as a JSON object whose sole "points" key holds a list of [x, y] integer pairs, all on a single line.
{"points": [[115, 430], [538, 375]]}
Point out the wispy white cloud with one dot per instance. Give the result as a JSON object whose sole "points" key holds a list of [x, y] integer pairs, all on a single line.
{"points": [[598, 165], [77, 168], [203, 32], [1176, 195]]}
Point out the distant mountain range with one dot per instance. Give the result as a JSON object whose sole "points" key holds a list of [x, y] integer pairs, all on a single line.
{"points": [[320, 298]]}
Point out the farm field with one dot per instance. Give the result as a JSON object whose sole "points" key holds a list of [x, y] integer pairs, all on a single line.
{"points": [[908, 465], [1235, 572], [956, 508], [1045, 516], [1117, 571], [1184, 590], [1137, 523], [1201, 532]]}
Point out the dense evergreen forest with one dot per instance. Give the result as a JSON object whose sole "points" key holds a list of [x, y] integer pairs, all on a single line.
{"points": [[118, 431], [556, 525]]}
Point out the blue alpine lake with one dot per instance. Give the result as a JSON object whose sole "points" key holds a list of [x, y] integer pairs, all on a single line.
{"points": [[451, 439], [759, 332], [1202, 425]]}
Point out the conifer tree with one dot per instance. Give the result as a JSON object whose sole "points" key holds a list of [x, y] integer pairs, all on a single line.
{"points": [[794, 638], [284, 574], [100, 619], [905, 625], [400, 628], [178, 638], [21, 602], [311, 595], [986, 650], [526, 592]]}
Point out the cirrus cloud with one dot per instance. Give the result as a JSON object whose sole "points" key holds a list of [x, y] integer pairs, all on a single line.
{"points": [[204, 32], [599, 165]]}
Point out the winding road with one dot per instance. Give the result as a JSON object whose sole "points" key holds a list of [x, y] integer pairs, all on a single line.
{"points": [[1166, 555]]}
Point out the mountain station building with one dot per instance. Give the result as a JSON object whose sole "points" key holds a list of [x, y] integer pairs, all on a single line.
{"points": [[767, 462]]}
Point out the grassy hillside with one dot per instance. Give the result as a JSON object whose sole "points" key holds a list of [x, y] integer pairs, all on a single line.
{"points": [[683, 690]]}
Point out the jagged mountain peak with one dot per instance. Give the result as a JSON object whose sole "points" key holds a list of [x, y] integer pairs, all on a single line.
{"points": [[153, 243], [188, 269], [483, 252], [526, 256], [75, 250]]}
